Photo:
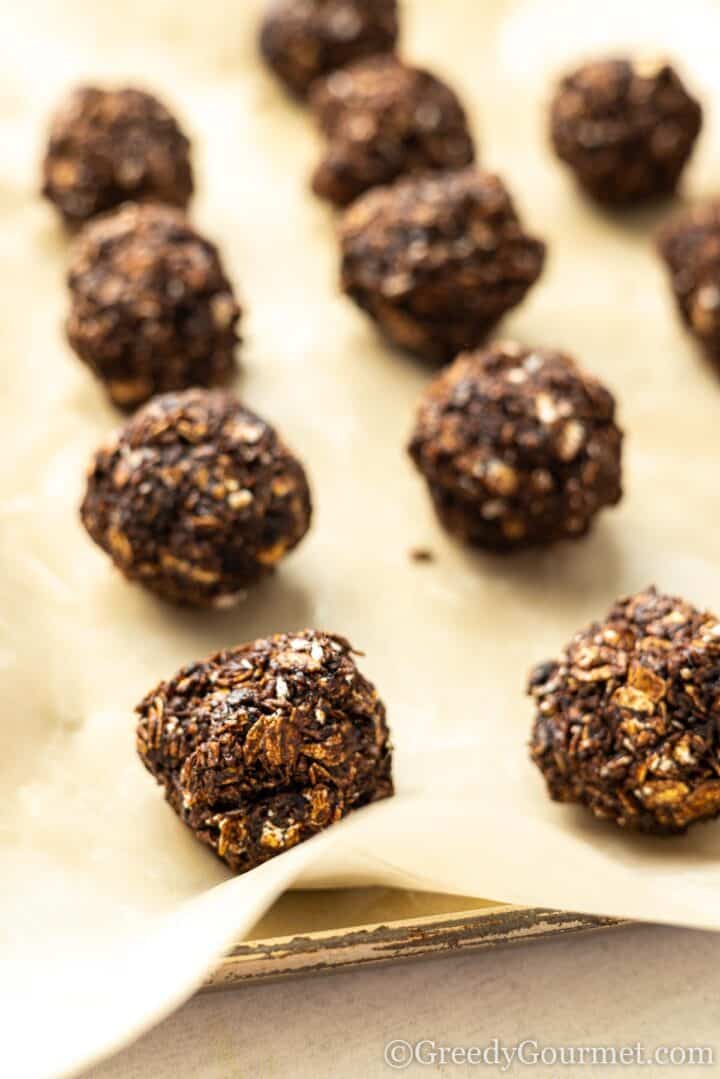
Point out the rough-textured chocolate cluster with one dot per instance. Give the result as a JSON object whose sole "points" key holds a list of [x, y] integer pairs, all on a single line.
{"points": [[625, 129], [627, 718], [304, 39], [518, 447], [196, 498], [264, 745], [690, 246], [436, 260], [151, 307], [110, 146], [384, 119]]}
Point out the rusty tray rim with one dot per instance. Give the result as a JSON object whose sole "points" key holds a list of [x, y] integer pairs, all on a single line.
{"points": [[325, 951]]}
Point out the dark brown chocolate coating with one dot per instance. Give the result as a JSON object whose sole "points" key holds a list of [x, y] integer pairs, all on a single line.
{"points": [[518, 447], [151, 308], [690, 246], [196, 498], [627, 718], [265, 745], [301, 40], [107, 147], [384, 119], [437, 259], [625, 129]]}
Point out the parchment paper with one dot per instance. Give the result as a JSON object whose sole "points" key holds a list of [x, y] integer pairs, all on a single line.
{"points": [[107, 909]]}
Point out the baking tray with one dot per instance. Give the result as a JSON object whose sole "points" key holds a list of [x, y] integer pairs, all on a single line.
{"points": [[325, 940]]}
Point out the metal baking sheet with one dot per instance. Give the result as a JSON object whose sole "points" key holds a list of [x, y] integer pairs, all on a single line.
{"points": [[434, 926]]}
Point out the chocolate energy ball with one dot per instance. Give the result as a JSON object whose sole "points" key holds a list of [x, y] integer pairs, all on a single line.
{"points": [[518, 447], [437, 259], [385, 119], [304, 39], [151, 308], [264, 745], [109, 146], [625, 129], [690, 246], [196, 498], [626, 719]]}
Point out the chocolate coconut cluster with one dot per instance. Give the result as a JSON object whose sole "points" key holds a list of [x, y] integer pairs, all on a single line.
{"points": [[110, 146], [264, 745], [437, 260], [625, 128], [302, 40], [518, 447], [151, 308], [690, 247], [626, 718], [385, 119], [196, 498]]}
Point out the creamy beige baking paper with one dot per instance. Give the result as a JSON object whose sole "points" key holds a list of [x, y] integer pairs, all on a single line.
{"points": [[108, 911]]}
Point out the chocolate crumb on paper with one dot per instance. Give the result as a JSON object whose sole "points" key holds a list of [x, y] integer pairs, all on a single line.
{"points": [[384, 119], [264, 745], [422, 554], [107, 147], [151, 308], [627, 718], [301, 40], [436, 260], [625, 128], [518, 447], [196, 498]]}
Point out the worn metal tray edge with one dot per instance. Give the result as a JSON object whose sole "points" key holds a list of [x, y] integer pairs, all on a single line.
{"points": [[434, 935]]}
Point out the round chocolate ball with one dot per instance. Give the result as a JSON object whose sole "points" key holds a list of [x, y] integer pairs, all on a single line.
{"points": [[626, 719], [437, 259], [625, 128], [518, 447], [690, 246], [304, 39], [151, 308], [110, 146], [385, 119], [196, 498], [264, 745]]}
